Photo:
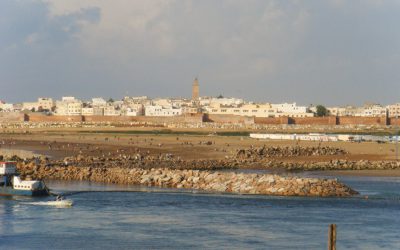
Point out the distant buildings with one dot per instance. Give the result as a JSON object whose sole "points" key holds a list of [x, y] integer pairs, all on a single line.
{"points": [[368, 110], [157, 110], [69, 106], [393, 110], [6, 107], [42, 104], [259, 110], [145, 106], [45, 103]]}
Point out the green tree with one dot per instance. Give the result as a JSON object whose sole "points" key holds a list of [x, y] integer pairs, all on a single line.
{"points": [[321, 111]]}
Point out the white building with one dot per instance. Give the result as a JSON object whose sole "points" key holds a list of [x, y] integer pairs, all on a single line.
{"points": [[69, 106], [336, 111], [30, 106], [393, 110], [157, 110], [257, 110], [87, 111], [132, 110], [351, 111], [212, 101], [6, 107], [136, 100], [45, 103], [98, 102], [68, 99], [289, 108], [372, 110], [111, 110], [190, 110]]}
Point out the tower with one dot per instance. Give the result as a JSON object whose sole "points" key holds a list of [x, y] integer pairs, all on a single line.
{"points": [[195, 90]]}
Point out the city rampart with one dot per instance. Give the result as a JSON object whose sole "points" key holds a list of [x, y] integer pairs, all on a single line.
{"points": [[328, 120], [394, 121], [198, 118], [12, 117], [351, 120], [271, 120], [218, 118], [189, 118], [53, 118]]}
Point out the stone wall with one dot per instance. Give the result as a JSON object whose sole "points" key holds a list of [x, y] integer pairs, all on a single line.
{"points": [[271, 120], [394, 121], [98, 118], [198, 118], [350, 120], [12, 117], [328, 120], [188, 118], [228, 118], [37, 117]]}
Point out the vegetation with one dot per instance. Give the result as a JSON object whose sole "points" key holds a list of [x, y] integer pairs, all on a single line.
{"points": [[321, 111]]}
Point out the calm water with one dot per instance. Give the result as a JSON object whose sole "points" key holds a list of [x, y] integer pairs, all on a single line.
{"points": [[178, 220]]}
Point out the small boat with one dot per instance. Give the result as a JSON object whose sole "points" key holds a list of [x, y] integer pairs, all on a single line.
{"points": [[11, 183]]}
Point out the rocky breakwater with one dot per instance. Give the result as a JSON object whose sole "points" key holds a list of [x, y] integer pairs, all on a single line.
{"points": [[267, 152], [142, 160], [213, 181]]}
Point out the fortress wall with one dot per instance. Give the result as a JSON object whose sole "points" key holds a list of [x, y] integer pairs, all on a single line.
{"points": [[228, 119], [328, 120], [350, 120], [271, 120], [53, 118], [12, 117]]}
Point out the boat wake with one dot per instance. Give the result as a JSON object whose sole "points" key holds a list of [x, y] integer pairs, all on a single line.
{"points": [[60, 204]]}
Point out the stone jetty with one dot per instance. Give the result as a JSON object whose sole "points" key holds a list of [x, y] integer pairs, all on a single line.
{"points": [[171, 162], [265, 152], [212, 181]]}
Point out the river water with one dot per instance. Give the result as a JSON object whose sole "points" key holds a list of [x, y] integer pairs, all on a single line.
{"points": [[149, 218]]}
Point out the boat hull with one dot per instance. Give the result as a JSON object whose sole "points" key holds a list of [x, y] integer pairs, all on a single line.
{"points": [[8, 191]]}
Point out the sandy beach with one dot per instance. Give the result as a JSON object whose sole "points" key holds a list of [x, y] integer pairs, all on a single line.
{"points": [[62, 143]]}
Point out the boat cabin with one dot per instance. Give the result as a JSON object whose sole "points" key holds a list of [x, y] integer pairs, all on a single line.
{"points": [[8, 168], [26, 185], [10, 177]]}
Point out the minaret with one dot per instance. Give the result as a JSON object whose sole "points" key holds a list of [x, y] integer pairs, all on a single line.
{"points": [[195, 90]]}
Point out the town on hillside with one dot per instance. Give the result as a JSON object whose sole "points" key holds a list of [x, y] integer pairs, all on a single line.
{"points": [[169, 107]]}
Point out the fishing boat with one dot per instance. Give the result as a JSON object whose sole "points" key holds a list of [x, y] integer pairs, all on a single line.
{"points": [[11, 183]]}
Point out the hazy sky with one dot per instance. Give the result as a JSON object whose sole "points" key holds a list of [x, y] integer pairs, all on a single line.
{"points": [[334, 52]]}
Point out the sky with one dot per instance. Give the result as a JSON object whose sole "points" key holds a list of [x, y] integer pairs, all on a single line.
{"points": [[332, 52]]}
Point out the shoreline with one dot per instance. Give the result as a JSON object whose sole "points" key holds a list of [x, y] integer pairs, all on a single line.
{"points": [[362, 173]]}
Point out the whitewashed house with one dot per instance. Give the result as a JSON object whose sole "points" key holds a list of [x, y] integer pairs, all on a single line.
{"points": [[158, 110]]}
